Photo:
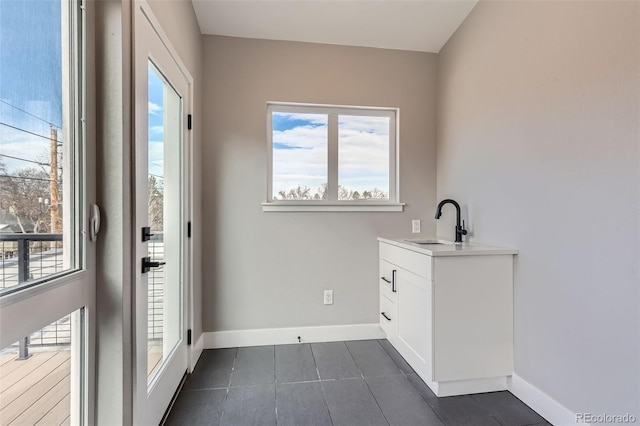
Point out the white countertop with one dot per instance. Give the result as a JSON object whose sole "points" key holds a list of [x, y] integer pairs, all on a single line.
{"points": [[464, 249]]}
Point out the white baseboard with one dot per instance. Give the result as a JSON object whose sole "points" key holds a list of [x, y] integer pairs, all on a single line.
{"points": [[466, 387], [196, 351], [554, 412], [280, 336]]}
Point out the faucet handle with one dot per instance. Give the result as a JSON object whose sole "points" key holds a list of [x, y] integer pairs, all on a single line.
{"points": [[463, 231]]}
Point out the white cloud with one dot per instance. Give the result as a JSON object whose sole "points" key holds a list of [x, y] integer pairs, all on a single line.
{"points": [[309, 137], [363, 154], [157, 130], [22, 145], [154, 109], [375, 125]]}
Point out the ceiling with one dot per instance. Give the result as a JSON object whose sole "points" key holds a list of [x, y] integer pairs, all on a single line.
{"points": [[419, 25]]}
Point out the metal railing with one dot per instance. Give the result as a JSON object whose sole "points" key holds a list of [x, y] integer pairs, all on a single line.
{"points": [[27, 257], [155, 289]]}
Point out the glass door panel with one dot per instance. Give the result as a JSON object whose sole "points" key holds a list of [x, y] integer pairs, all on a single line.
{"points": [[164, 283], [40, 380]]}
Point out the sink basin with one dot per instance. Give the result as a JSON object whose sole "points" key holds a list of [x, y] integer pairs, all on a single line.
{"points": [[430, 242]]}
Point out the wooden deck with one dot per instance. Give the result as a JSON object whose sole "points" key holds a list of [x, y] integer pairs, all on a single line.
{"points": [[154, 360], [35, 391]]}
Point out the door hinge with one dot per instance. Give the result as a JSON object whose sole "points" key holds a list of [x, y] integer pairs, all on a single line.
{"points": [[189, 121], [189, 337], [189, 229]]}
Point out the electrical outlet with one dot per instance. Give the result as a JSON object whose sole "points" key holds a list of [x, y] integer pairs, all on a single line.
{"points": [[415, 226], [328, 297]]}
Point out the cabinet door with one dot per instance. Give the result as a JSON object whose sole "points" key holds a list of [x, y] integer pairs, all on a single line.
{"points": [[415, 317], [388, 316]]}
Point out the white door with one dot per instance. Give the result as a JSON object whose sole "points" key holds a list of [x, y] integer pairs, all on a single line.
{"points": [[161, 194]]}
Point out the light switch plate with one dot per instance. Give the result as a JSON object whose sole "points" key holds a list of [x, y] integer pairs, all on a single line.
{"points": [[415, 226]]}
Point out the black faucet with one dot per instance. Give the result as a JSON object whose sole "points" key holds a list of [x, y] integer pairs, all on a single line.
{"points": [[460, 231]]}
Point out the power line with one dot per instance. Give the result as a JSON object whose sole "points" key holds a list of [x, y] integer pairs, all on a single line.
{"points": [[28, 161], [29, 178], [31, 133], [28, 113]]}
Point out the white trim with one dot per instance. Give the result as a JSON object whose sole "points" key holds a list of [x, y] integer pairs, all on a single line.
{"points": [[41, 308], [322, 108], [196, 352], [465, 387], [280, 336], [554, 412], [48, 283], [332, 112], [301, 206]]}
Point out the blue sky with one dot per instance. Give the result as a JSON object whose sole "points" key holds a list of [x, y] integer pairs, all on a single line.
{"points": [[30, 78], [300, 151], [31, 85], [156, 117]]}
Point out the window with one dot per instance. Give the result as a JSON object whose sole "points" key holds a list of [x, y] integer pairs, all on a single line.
{"points": [[47, 267], [39, 144], [331, 158]]}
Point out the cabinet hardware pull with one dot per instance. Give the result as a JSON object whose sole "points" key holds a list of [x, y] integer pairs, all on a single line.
{"points": [[386, 317], [385, 280], [393, 281]]}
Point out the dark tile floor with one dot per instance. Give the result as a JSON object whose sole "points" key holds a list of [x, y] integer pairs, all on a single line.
{"points": [[338, 383]]}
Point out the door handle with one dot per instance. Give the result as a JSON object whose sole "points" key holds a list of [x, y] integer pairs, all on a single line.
{"points": [[147, 264], [385, 280], [385, 316], [393, 281]]}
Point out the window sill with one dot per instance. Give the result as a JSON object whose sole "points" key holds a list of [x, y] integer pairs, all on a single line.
{"points": [[314, 206]]}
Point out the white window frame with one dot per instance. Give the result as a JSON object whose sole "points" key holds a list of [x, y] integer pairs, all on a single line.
{"points": [[34, 306], [332, 203]]}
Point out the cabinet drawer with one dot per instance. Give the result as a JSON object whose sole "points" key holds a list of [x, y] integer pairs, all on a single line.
{"points": [[419, 264], [388, 315], [388, 285]]}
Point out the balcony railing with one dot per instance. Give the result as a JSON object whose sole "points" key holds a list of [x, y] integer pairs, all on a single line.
{"points": [[28, 257]]}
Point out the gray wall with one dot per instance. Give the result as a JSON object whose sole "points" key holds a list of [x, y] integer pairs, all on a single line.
{"points": [[538, 108], [264, 270]]}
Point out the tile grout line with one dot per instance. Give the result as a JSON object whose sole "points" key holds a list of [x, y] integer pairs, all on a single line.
{"points": [[426, 402], [354, 360], [315, 364], [324, 393], [275, 384], [365, 381], [228, 388]]}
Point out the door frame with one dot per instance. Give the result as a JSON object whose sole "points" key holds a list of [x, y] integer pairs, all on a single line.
{"points": [[143, 15]]}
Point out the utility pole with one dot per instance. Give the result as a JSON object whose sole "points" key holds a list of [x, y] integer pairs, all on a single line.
{"points": [[53, 184]]}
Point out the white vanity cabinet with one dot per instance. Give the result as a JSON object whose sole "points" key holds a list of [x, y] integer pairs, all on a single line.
{"points": [[449, 312]]}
